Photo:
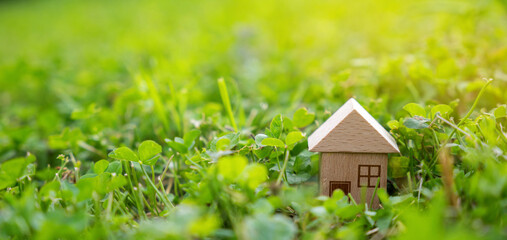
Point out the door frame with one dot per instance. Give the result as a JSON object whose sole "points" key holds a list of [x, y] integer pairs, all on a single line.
{"points": [[348, 183]]}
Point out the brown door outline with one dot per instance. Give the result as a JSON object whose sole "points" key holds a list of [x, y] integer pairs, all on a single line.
{"points": [[343, 185]]}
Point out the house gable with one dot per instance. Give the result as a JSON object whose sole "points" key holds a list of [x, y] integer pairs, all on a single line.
{"points": [[352, 129]]}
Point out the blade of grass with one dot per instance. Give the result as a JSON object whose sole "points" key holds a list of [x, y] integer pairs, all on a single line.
{"points": [[109, 206], [227, 103], [140, 198], [182, 106], [352, 199], [162, 197], [166, 168], [157, 101], [475, 102], [374, 192], [172, 107], [133, 189]]}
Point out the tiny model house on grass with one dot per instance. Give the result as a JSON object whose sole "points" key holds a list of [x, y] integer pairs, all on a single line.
{"points": [[354, 149]]}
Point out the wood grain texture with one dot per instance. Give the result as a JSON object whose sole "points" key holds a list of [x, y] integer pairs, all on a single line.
{"points": [[352, 129], [345, 167]]}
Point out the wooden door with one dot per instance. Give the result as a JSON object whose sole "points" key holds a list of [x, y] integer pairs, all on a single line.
{"points": [[343, 185]]}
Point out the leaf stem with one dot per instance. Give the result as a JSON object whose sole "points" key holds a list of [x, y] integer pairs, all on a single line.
{"points": [[152, 173], [278, 164], [474, 105], [166, 168], [134, 197], [282, 171], [160, 195], [476, 101]]}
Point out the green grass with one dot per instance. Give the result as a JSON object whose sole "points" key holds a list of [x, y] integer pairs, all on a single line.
{"points": [[189, 119]]}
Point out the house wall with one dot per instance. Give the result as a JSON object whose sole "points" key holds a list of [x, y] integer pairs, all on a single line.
{"points": [[344, 167]]}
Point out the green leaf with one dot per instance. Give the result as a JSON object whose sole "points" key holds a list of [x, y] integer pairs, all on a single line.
{"points": [[14, 168], [115, 167], [149, 152], [273, 142], [179, 140], [151, 162], [6, 181], [84, 113], [276, 126], [263, 152], [297, 178], [30, 158], [263, 226], [303, 118], [67, 139], [262, 206], [223, 144], [204, 225], [443, 109], [393, 124], [302, 163], [415, 109], [398, 166], [293, 137], [46, 174], [100, 166], [190, 137], [230, 167], [116, 182], [177, 147], [500, 112], [253, 175], [416, 123], [125, 154], [102, 181], [86, 186], [50, 190], [287, 123], [259, 138]]}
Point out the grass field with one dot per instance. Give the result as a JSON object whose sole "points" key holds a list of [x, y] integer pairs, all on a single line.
{"points": [[189, 119]]}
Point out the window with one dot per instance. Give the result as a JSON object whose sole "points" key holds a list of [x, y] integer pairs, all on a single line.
{"points": [[368, 175]]}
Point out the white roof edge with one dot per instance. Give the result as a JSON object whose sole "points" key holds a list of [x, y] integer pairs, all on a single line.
{"points": [[330, 123], [373, 122], [338, 117]]}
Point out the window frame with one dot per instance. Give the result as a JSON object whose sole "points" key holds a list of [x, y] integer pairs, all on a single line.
{"points": [[369, 176]]}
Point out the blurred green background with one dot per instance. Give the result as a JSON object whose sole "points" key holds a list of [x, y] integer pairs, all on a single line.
{"points": [[59, 56]]}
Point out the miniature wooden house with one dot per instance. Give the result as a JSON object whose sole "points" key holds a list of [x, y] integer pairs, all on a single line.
{"points": [[354, 149]]}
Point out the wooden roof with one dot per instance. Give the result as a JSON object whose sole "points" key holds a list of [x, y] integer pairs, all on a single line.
{"points": [[352, 129]]}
